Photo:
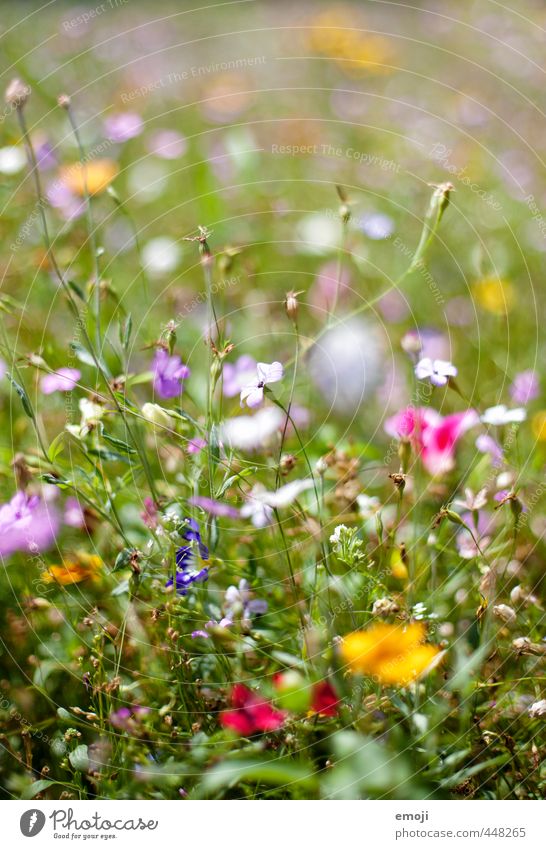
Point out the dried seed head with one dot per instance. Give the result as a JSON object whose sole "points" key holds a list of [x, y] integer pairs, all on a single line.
{"points": [[17, 93], [505, 613]]}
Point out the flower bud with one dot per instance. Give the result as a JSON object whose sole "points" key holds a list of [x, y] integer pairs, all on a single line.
{"points": [[17, 93], [384, 607], [291, 305], [63, 101], [505, 613], [156, 415]]}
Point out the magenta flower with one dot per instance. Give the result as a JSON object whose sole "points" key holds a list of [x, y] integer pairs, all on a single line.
{"points": [[169, 372], [196, 445], [123, 126], [433, 436], [62, 380], [266, 373], [215, 508], [437, 371], [27, 523], [129, 718], [238, 375], [525, 387]]}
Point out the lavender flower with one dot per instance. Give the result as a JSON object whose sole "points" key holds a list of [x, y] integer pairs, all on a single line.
{"points": [[73, 513], [123, 126], [238, 601], [27, 523], [266, 373], [169, 372], [62, 380], [525, 387], [168, 144], [238, 375], [215, 508], [437, 371]]}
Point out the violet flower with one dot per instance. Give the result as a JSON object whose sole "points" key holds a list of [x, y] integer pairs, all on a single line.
{"points": [[128, 718], [238, 602], [487, 445], [437, 371], [215, 508], [168, 144], [189, 559], [27, 523], [169, 372], [266, 373], [62, 380], [525, 387], [238, 375]]}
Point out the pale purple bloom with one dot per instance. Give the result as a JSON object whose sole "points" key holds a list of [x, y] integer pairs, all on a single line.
{"points": [[168, 144], [437, 371], [238, 375], [215, 508], [27, 523], [487, 445], [73, 513], [45, 156], [195, 445], [376, 225], [525, 387], [62, 380], [238, 601], [266, 373], [501, 415], [3, 369], [169, 372], [482, 531], [123, 126], [195, 634], [61, 196], [128, 718]]}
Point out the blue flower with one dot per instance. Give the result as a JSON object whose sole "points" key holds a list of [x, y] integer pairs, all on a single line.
{"points": [[189, 560]]}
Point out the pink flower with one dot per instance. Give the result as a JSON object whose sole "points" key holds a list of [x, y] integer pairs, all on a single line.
{"points": [[250, 713], [525, 387], [433, 436], [73, 513], [62, 380], [266, 373], [27, 523], [123, 126]]}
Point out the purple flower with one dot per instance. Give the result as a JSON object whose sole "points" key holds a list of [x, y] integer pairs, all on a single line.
{"points": [[238, 601], [188, 560], [123, 126], [238, 375], [215, 508], [27, 523], [128, 718], [487, 445], [73, 513], [169, 372], [168, 144], [266, 373], [195, 445], [437, 371], [525, 387], [62, 380]]}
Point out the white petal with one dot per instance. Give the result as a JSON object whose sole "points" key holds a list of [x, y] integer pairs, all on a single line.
{"points": [[270, 372], [423, 368]]}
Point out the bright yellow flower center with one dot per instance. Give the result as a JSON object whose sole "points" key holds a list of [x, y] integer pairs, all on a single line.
{"points": [[394, 654]]}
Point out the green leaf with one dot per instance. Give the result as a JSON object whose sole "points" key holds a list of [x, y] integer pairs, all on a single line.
{"points": [[56, 447], [468, 772], [273, 772], [123, 560], [119, 444], [38, 787], [79, 758], [125, 328], [108, 456], [25, 401], [76, 289]]}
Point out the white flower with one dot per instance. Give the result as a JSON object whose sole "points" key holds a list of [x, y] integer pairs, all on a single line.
{"points": [[538, 709], [335, 538], [261, 503], [501, 415], [12, 160], [161, 256], [266, 373], [437, 371], [248, 433]]}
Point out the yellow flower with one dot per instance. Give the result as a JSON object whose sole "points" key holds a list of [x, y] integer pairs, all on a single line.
{"points": [[394, 654], [335, 34], [74, 570], [539, 425], [494, 295], [97, 173]]}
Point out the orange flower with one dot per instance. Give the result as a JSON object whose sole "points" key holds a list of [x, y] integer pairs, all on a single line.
{"points": [[97, 173], [335, 34], [74, 570], [394, 654]]}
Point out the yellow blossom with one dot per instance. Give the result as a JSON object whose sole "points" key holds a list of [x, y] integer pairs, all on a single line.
{"points": [[79, 568], [538, 424], [494, 295], [335, 34], [97, 174], [394, 654]]}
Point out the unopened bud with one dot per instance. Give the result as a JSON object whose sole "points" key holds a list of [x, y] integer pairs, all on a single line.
{"points": [[384, 607], [17, 93], [291, 305], [288, 461], [505, 613], [63, 101], [156, 415]]}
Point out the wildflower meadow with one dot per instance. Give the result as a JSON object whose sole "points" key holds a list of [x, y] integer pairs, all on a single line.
{"points": [[273, 403]]}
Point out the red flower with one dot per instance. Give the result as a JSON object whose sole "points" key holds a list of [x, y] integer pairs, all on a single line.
{"points": [[250, 713], [325, 700]]}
